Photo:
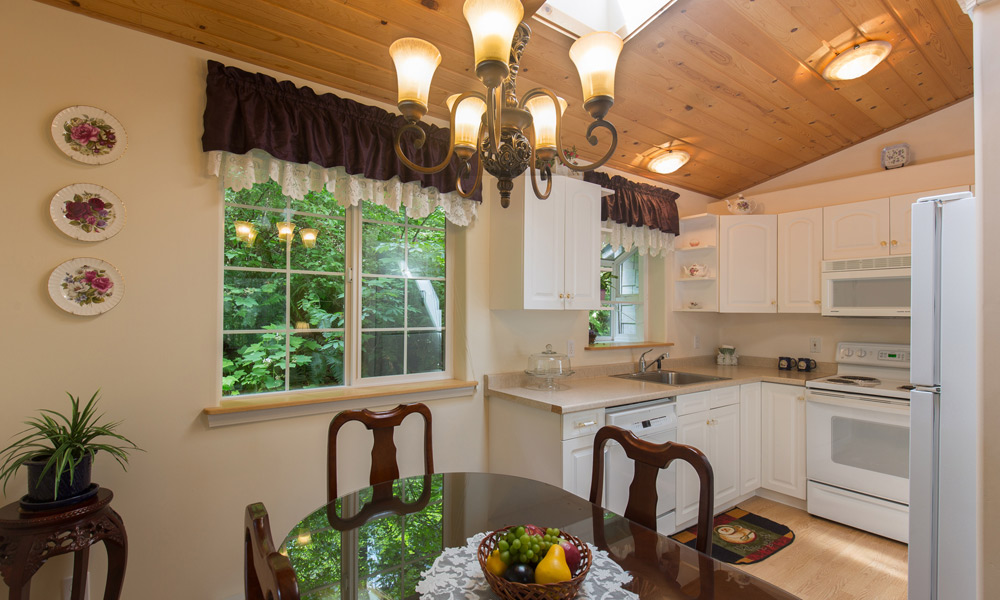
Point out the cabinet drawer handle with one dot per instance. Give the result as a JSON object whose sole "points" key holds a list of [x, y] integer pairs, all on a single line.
{"points": [[586, 424], [817, 302], [883, 244]]}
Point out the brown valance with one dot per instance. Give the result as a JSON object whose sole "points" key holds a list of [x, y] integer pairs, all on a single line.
{"points": [[247, 111], [637, 204]]}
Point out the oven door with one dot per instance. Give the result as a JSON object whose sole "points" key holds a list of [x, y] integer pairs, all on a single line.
{"points": [[859, 443]]}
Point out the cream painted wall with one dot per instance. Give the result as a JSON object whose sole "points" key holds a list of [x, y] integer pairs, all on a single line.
{"points": [[155, 356]]}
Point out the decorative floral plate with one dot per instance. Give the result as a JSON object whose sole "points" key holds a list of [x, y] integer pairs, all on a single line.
{"points": [[87, 212], [89, 135], [86, 286]]}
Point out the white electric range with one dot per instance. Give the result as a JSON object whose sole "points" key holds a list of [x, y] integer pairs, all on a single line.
{"points": [[858, 439]]}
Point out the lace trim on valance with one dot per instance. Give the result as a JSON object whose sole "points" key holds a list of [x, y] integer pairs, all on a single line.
{"points": [[648, 241], [242, 171]]}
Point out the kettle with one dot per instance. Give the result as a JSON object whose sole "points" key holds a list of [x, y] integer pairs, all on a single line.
{"points": [[741, 206]]}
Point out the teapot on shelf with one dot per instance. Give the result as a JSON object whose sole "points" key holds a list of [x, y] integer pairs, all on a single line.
{"points": [[741, 206]]}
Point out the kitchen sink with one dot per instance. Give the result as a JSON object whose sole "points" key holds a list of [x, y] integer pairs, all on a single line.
{"points": [[670, 377]]}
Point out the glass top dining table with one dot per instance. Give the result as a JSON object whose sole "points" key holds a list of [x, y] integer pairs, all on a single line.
{"points": [[375, 543]]}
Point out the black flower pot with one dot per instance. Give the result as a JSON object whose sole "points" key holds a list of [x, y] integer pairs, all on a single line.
{"points": [[43, 488]]}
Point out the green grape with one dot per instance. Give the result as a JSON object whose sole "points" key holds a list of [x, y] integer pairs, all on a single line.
{"points": [[505, 557], [525, 540], [548, 538], [515, 545], [535, 548], [503, 545], [519, 531], [555, 532], [530, 553], [523, 557]]}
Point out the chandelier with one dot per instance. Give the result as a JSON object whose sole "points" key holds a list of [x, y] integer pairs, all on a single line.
{"points": [[510, 135]]}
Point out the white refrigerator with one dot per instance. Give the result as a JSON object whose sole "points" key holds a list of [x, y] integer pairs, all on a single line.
{"points": [[944, 407]]}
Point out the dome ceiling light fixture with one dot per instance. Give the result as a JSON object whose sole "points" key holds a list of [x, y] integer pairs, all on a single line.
{"points": [[494, 124], [857, 61], [668, 162]]}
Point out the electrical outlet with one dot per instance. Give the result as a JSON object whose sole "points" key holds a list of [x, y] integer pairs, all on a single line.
{"points": [[815, 344], [697, 342], [570, 348]]}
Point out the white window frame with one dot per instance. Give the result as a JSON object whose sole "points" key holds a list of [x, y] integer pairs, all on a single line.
{"points": [[640, 299], [352, 307]]}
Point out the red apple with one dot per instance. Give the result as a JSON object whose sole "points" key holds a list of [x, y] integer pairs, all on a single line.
{"points": [[572, 555], [534, 530]]}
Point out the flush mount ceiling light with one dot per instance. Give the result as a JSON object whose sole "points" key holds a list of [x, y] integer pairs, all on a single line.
{"points": [[669, 161], [505, 149], [856, 61]]}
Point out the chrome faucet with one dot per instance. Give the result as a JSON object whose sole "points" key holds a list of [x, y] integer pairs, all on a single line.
{"points": [[642, 361], [643, 365]]}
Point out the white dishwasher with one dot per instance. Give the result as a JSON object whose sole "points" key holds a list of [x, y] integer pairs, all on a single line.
{"points": [[654, 421]]}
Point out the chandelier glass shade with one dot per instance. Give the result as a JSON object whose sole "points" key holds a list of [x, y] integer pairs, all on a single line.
{"points": [[509, 134]]}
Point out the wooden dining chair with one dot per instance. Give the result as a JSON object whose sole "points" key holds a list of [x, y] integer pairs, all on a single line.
{"points": [[382, 425], [649, 458], [267, 575]]}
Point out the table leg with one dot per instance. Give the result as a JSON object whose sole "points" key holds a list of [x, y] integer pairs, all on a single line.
{"points": [[117, 557], [81, 561], [20, 590]]}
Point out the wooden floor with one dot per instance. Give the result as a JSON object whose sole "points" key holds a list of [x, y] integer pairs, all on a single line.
{"points": [[828, 560]]}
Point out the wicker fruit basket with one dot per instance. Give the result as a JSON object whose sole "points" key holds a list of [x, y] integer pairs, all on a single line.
{"points": [[509, 590]]}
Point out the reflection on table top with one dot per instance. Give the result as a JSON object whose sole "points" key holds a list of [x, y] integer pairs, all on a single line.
{"points": [[374, 543]]}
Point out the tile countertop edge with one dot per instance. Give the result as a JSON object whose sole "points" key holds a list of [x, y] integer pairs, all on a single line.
{"points": [[597, 392]]}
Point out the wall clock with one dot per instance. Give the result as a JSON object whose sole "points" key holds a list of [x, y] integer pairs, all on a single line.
{"points": [[895, 156]]}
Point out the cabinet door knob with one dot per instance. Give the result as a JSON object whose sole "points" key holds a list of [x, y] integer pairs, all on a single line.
{"points": [[773, 302], [895, 243], [883, 244], [561, 295], [569, 296], [708, 422]]}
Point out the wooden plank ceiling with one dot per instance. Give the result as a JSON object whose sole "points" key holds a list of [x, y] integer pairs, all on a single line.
{"points": [[735, 83]]}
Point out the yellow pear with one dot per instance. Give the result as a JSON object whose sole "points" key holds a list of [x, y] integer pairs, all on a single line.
{"points": [[553, 568]]}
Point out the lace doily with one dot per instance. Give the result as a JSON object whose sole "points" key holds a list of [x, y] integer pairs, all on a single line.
{"points": [[648, 241], [242, 171], [456, 575]]}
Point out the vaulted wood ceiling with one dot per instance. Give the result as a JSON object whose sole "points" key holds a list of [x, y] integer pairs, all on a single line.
{"points": [[734, 82]]}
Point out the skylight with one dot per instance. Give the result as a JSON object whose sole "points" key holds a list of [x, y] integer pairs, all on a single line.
{"points": [[576, 18]]}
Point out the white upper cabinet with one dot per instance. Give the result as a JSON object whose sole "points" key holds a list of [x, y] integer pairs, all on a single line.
{"points": [[583, 245], [748, 263], [800, 257], [856, 230], [900, 209], [545, 254]]}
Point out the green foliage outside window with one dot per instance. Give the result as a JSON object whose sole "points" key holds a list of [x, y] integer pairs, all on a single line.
{"points": [[284, 318]]}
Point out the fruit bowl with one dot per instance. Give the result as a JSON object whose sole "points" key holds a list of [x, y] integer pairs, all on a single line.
{"points": [[510, 590]]}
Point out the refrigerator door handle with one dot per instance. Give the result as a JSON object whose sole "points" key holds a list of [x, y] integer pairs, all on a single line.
{"points": [[925, 295], [924, 445]]}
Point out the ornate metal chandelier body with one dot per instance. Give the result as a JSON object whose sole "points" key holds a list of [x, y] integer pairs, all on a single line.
{"points": [[510, 135]]}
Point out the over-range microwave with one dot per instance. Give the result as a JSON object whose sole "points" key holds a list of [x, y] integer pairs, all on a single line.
{"points": [[867, 287]]}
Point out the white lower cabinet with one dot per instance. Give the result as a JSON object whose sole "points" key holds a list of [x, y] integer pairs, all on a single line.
{"points": [[578, 465], [750, 439], [709, 421], [783, 439]]}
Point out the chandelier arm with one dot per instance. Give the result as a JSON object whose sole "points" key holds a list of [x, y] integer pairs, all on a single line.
{"points": [[494, 96], [479, 171], [593, 142], [546, 171], [412, 125]]}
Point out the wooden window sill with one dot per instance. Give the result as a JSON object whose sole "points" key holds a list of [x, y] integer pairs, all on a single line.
{"points": [[621, 345], [248, 409]]}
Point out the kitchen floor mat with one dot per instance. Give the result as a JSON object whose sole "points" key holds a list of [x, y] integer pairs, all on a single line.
{"points": [[741, 538]]}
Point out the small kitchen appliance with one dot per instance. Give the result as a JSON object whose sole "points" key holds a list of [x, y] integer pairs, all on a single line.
{"points": [[858, 440]]}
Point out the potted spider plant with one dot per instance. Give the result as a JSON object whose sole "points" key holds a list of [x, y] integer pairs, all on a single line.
{"points": [[58, 450]]}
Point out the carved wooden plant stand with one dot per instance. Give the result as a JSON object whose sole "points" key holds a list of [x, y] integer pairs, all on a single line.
{"points": [[28, 539]]}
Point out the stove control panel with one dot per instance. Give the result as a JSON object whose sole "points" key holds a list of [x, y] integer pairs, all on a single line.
{"points": [[875, 355]]}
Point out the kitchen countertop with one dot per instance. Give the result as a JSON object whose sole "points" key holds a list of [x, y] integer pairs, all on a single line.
{"points": [[594, 387]]}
